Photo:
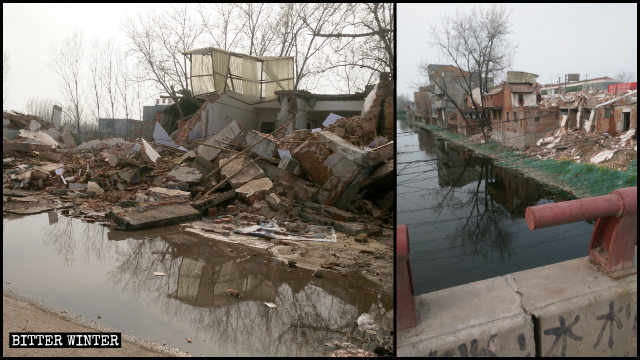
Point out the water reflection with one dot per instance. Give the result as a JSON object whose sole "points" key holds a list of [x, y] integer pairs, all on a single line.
{"points": [[466, 215], [191, 300]]}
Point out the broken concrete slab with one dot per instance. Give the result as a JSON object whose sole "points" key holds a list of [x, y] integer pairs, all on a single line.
{"points": [[247, 174], [68, 139], [55, 134], [38, 137], [255, 190], [267, 146], [34, 125], [148, 153], [163, 194], [214, 200], [153, 216], [184, 174], [230, 131], [347, 149], [341, 166], [161, 136], [603, 156]]}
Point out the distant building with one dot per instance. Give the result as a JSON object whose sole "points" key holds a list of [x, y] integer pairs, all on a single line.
{"points": [[601, 83], [125, 128], [149, 112]]}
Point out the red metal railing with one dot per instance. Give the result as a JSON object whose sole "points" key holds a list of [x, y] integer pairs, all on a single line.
{"points": [[612, 241], [405, 301], [614, 236]]}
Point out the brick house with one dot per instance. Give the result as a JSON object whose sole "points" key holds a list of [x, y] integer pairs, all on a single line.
{"points": [[516, 119]]}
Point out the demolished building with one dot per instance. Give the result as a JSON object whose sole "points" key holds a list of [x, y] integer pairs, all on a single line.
{"points": [[209, 158]]}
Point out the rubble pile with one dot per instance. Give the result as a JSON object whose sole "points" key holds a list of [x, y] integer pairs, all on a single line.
{"points": [[287, 186], [616, 152]]}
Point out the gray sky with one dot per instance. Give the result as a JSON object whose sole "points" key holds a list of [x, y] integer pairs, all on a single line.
{"points": [[552, 39], [29, 31]]}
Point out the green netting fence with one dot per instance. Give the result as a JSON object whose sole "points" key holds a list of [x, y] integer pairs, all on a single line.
{"points": [[582, 180]]}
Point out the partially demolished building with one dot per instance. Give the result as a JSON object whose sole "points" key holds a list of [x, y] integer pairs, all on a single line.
{"points": [[244, 149]]}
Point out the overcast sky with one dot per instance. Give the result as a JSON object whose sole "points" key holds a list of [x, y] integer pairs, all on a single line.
{"points": [[553, 39], [29, 31]]}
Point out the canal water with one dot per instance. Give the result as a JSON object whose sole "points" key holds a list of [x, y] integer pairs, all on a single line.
{"points": [[92, 271], [465, 215]]}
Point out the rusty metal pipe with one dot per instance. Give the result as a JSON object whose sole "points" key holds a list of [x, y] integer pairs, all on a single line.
{"points": [[617, 203]]}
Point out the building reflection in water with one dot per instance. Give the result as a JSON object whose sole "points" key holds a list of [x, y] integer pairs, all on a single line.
{"points": [[193, 298]]}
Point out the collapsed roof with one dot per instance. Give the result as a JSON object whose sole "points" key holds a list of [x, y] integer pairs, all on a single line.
{"points": [[251, 79]]}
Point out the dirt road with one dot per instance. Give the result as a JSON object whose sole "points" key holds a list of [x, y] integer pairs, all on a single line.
{"points": [[21, 316]]}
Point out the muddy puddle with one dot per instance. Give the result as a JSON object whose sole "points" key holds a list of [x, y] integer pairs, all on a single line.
{"points": [[108, 276]]}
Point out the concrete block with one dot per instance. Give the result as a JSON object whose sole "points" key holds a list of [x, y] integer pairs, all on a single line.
{"points": [[341, 166], [247, 174], [266, 148], [148, 153], [38, 137], [230, 131], [68, 139], [347, 149], [214, 200], [483, 318], [153, 216], [55, 134]]}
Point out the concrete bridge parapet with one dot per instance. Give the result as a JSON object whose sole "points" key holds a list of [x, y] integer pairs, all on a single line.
{"points": [[563, 309]]}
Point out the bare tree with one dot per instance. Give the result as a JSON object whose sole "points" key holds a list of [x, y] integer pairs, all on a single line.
{"points": [[95, 72], [257, 30], [476, 43], [220, 21], [368, 31], [159, 39], [625, 76], [67, 63], [109, 74], [123, 85]]}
